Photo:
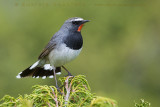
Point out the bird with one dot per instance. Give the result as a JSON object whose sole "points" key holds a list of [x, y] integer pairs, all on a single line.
{"points": [[64, 46]]}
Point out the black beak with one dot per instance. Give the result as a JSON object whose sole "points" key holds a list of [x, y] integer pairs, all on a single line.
{"points": [[84, 21]]}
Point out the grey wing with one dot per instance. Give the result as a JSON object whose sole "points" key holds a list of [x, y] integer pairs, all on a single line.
{"points": [[50, 46], [47, 50]]}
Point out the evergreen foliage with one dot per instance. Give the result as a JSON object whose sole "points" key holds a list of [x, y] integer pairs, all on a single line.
{"points": [[142, 104], [75, 92]]}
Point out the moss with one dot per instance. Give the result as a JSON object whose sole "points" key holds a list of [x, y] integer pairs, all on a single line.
{"points": [[74, 93]]}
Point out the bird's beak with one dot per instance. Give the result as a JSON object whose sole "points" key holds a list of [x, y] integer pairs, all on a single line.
{"points": [[84, 21]]}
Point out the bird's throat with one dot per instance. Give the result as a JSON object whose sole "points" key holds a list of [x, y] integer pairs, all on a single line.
{"points": [[80, 27]]}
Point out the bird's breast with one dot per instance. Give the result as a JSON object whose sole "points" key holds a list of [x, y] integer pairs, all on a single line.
{"points": [[62, 55]]}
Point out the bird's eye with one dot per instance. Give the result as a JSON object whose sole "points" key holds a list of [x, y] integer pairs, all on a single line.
{"points": [[76, 22]]}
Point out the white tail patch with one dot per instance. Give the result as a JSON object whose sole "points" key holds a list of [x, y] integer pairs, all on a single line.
{"points": [[37, 77], [51, 76], [48, 67], [34, 65], [58, 73], [44, 77], [18, 76]]}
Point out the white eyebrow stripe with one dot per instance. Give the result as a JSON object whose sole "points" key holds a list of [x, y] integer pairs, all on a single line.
{"points": [[78, 19]]}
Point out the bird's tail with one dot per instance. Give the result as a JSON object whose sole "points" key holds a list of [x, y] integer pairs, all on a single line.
{"points": [[37, 71]]}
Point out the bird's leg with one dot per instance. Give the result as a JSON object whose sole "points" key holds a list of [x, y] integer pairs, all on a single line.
{"points": [[54, 73], [69, 74]]}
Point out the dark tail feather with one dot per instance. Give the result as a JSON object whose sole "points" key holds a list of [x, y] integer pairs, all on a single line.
{"points": [[39, 72]]}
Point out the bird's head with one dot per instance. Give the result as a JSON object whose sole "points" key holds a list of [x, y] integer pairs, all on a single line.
{"points": [[75, 24]]}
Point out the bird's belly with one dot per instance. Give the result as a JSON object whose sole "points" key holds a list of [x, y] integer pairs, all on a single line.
{"points": [[62, 55]]}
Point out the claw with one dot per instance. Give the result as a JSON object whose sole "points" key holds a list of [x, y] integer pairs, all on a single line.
{"points": [[69, 74], [58, 89]]}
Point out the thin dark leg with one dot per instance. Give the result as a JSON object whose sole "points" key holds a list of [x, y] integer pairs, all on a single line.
{"points": [[69, 74], [54, 73]]}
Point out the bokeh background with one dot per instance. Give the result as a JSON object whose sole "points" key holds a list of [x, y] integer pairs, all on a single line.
{"points": [[121, 53]]}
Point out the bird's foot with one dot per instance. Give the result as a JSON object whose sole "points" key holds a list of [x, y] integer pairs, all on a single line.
{"points": [[69, 74], [58, 89]]}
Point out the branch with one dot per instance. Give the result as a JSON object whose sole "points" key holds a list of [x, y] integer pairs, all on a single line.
{"points": [[68, 89], [55, 99], [75, 93]]}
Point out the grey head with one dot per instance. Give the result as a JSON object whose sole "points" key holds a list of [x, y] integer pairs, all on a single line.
{"points": [[73, 24]]}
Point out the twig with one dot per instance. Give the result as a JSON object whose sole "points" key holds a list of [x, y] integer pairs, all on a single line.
{"points": [[68, 89], [48, 104], [55, 99]]}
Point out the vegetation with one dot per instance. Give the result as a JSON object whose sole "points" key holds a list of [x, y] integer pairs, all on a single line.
{"points": [[142, 104], [75, 92]]}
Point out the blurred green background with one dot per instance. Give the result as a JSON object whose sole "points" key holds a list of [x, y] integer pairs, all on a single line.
{"points": [[121, 53]]}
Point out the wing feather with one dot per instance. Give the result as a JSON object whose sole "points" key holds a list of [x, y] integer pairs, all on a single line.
{"points": [[47, 50], [50, 46]]}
